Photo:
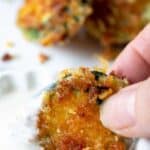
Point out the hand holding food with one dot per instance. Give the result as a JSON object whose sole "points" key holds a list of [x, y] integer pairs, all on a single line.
{"points": [[131, 114], [69, 116]]}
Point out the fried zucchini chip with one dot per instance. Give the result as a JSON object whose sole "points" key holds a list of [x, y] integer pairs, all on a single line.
{"points": [[69, 118], [116, 22], [52, 21]]}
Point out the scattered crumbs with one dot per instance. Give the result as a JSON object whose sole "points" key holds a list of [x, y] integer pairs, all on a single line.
{"points": [[10, 44], [7, 57], [43, 58]]}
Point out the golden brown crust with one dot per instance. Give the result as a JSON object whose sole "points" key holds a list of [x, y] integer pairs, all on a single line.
{"points": [[53, 21], [69, 117], [115, 22]]}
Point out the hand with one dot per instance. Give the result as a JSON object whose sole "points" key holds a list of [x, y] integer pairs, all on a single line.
{"points": [[128, 112]]}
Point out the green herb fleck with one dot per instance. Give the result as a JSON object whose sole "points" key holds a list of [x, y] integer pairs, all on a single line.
{"points": [[65, 9], [65, 25], [32, 34], [76, 18], [98, 74], [85, 1], [99, 101]]}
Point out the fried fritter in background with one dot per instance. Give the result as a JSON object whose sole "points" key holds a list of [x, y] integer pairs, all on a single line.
{"points": [[112, 22], [116, 22], [52, 21]]}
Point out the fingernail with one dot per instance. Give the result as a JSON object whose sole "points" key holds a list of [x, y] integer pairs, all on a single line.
{"points": [[118, 112]]}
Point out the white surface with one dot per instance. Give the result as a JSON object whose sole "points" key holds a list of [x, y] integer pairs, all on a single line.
{"points": [[16, 126], [27, 53], [19, 104], [18, 111], [143, 144]]}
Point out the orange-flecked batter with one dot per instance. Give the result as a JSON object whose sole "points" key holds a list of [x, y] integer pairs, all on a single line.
{"points": [[69, 118]]}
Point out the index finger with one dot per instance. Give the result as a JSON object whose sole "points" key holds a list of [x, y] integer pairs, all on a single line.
{"points": [[134, 62]]}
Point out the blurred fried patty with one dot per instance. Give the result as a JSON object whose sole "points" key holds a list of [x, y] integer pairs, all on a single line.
{"points": [[69, 118], [52, 21], [116, 22]]}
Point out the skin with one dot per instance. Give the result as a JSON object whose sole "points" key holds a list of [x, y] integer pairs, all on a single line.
{"points": [[131, 116]]}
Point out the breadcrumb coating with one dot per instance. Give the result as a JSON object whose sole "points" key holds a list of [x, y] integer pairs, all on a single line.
{"points": [[116, 22], [52, 21], [69, 118]]}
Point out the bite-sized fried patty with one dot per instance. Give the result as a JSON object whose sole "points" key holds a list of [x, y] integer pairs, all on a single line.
{"points": [[115, 22], [52, 21], [69, 118]]}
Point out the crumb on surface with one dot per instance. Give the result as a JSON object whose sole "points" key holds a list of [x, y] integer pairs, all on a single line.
{"points": [[43, 58], [10, 44], [7, 57]]}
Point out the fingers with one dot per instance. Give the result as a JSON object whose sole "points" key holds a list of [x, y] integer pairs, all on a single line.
{"points": [[128, 112], [134, 61]]}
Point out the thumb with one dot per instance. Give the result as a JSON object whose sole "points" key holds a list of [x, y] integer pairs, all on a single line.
{"points": [[128, 112]]}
